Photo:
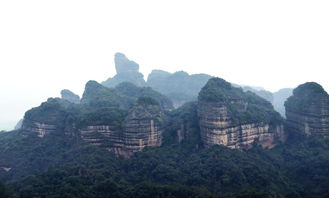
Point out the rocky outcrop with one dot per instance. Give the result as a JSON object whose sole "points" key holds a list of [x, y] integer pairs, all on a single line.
{"points": [[307, 111], [230, 117], [38, 128], [180, 87], [141, 128], [55, 116], [104, 136], [70, 96], [218, 127], [127, 71], [124, 65]]}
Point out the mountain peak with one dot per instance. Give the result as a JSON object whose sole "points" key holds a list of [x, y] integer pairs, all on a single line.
{"points": [[123, 64]]}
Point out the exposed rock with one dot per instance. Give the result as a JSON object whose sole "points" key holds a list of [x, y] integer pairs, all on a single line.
{"points": [[180, 87], [41, 129], [127, 71], [307, 110], [181, 133], [53, 116], [70, 96], [124, 119], [142, 127], [236, 119], [6, 169], [104, 136], [124, 65]]}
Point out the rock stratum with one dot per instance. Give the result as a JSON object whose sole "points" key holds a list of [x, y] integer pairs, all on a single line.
{"points": [[307, 110], [123, 120], [236, 119], [141, 128]]}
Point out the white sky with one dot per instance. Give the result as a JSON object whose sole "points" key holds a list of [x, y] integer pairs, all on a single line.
{"points": [[46, 46]]}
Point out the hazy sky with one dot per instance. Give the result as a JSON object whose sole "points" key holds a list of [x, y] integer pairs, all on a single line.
{"points": [[46, 46]]}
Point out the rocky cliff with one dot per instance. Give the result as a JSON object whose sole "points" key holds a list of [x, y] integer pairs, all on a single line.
{"points": [[307, 110], [123, 120], [142, 127], [237, 119], [38, 128], [53, 116], [126, 71]]}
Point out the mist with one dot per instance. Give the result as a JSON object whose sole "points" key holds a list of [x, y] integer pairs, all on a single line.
{"points": [[50, 46]]}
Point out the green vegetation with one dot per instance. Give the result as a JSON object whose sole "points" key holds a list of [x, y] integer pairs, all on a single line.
{"points": [[58, 165], [5, 192], [99, 106], [296, 169], [304, 96], [244, 107], [53, 111]]}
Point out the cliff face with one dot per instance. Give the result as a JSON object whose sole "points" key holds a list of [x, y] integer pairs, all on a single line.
{"points": [[54, 115], [141, 128], [217, 127], [307, 110], [38, 128], [123, 120], [233, 118]]}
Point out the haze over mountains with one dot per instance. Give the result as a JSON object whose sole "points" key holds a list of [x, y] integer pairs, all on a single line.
{"points": [[167, 83], [174, 135]]}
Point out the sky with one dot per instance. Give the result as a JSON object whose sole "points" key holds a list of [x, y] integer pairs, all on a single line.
{"points": [[47, 46]]}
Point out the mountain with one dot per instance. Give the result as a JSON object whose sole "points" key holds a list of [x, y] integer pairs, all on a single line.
{"points": [[126, 71], [307, 110], [123, 119], [129, 141], [279, 99], [260, 92], [140, 127], [70, 96], [231, 117], [180, 87]]}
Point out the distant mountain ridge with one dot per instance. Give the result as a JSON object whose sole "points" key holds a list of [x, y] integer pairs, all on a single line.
{"points": [[181, 87], [129, 141]]}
